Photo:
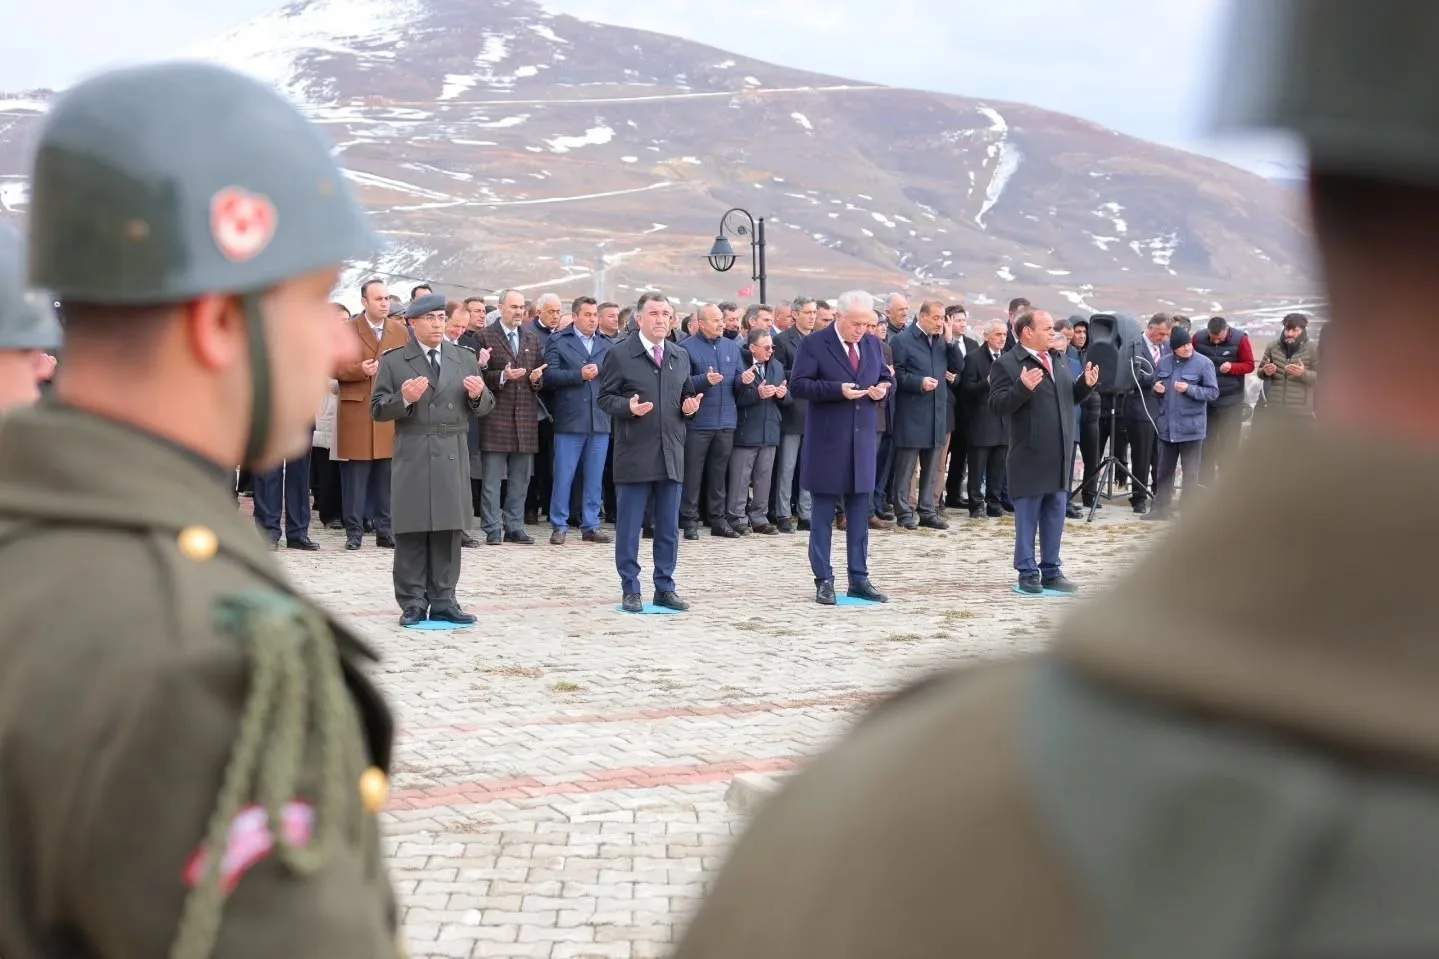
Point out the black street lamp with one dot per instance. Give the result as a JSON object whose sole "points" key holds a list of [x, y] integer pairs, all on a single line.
{"points": [[739, 222]]}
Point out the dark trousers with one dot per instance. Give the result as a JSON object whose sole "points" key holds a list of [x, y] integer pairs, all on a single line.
{"points": [[958, 459], [325, 484], [427, 567], [1221, 441], [883, 471], [542, 481], [1044, 515], [632, 502], [362, 483], [286, 487], [1089, 449], [1170, 457], [609, 484], [856, 534], [1143, 450], [987, 465], [706, 461]]}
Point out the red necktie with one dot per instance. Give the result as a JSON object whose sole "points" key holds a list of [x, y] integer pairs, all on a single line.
{"points": [[1044, 358], [853, 358]]}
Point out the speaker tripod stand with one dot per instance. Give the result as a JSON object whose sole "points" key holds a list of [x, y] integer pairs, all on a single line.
{"points": [[1109, 464]]}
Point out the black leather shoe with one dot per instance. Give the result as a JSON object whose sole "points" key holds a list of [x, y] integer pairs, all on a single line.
{"points": [[305, 544], [384, 541], [994, 512], [669, 599], [1073, 512], [910, 525], [786, 526], [519, 536], [595, 536], [412, 616], [647, 532], [933, 522], [724, 532], [632, 603], [453, 615], [803, 525], [1059, 584], [692, 532], [352, 544], [863, 589], [824, 592], [468, 542], [1030, 585], [886, 513]]}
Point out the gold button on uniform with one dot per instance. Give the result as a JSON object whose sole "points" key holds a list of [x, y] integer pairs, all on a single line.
{"points": [[374, 788], [197, 542]]}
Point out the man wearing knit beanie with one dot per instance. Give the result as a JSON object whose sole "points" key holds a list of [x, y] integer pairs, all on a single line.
{"points": [[1186, 384]]}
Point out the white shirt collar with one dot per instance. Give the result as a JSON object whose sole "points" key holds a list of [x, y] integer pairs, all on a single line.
{"points": [[842, 344], [649, 347]]}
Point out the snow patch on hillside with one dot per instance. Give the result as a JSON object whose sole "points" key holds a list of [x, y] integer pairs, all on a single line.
{"points": [[594, 136], [269, 46], [14, 194], [803, 121], [1007, 159]]}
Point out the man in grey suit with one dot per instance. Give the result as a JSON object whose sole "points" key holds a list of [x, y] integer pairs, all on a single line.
{"points": [[431, 389], [645, 387]]}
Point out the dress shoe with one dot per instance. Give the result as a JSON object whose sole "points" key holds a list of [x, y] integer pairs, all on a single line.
{"points": [[803, 524], [669, 599], [1031, 585], [724, 531], [909, 524], [863, 589], [412, 616], [595, 536], [742, 529], [1007, 507], [557, 537], [1059, 584], [886, 513], [632, 604], [1140, 508], [468, 542], [305, 544], [994, 512], [453, 615], [648, 532], [692, 532], [519, 536], [786, 526], [384, 541], [824, 592], [335, 524], [976, 514], [351, 543], [532, 517], [768, 529], [933, 522], [876, 523], [1073, 512], [493, 539]]}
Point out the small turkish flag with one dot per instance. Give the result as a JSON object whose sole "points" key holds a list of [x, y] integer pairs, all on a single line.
{"points": [[745, 291], [241, 223]]}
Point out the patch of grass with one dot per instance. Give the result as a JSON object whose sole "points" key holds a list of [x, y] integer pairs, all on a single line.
{"points": [[753, 625], [467, 826], [565, 686], [956, 615], [903, 638], [512, 669], [669, 685]]}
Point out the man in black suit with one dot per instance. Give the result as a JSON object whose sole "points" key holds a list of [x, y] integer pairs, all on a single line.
{"points": [[954, 456], [1031, 385], [645, 388], [987, 432]]}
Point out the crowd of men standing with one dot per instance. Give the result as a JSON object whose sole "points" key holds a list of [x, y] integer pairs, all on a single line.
{"points": [[540, 451]]}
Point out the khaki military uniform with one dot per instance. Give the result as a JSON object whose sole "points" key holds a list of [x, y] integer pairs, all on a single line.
{"points": [[1270, 627], [126, 573]]}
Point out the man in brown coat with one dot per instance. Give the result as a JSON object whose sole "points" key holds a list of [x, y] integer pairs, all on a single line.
{"points": [[362, 444], [1164, 782], [510, 435]]}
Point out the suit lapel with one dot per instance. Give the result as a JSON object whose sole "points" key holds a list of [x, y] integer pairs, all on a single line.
{"points": [[837, 348]]}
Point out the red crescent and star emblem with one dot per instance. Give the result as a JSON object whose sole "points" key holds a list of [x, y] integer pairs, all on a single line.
{"points": [[242, 223]]}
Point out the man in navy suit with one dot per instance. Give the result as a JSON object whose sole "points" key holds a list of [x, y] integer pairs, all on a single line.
{"points": [[645, 388], [1032, 387], [573, 357], [842, 374]]}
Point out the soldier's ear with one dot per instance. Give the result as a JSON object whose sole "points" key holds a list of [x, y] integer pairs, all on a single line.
{"points": [[215, 332]]}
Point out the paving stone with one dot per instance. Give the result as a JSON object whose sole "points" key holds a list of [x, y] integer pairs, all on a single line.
{"points": [[568, 778]]}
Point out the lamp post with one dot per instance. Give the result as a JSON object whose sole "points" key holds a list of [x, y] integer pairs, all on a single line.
{"points": [[722, 256]]}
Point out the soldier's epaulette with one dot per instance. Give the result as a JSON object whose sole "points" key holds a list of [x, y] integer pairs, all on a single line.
{"points": [[393, 349]]}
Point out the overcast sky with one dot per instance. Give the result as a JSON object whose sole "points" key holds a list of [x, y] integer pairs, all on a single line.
{"points": [[1145, 67]]}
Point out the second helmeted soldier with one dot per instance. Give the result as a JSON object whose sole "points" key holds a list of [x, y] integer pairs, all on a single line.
{"points": [[431, 390]]}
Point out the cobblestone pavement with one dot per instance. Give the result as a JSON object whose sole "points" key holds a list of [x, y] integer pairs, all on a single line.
{"points": [[559, 789]]}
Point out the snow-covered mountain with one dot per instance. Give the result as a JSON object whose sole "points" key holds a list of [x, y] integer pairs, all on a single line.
{"points": [[497, 143]]}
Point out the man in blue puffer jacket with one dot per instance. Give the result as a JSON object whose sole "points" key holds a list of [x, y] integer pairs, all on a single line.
{"points": [[1186, 384], [714, 363]]}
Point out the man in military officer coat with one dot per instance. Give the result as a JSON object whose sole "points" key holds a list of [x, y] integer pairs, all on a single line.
{"points": [[430, 389]]}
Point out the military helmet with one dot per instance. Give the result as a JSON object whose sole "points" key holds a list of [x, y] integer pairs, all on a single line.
{"points": [[160, 183], [1356, 80], [27, 321]]}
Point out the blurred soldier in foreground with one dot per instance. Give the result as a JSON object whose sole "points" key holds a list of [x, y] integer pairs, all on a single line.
{"points": [[1161, 785], [190, 758], [28, 329]]}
